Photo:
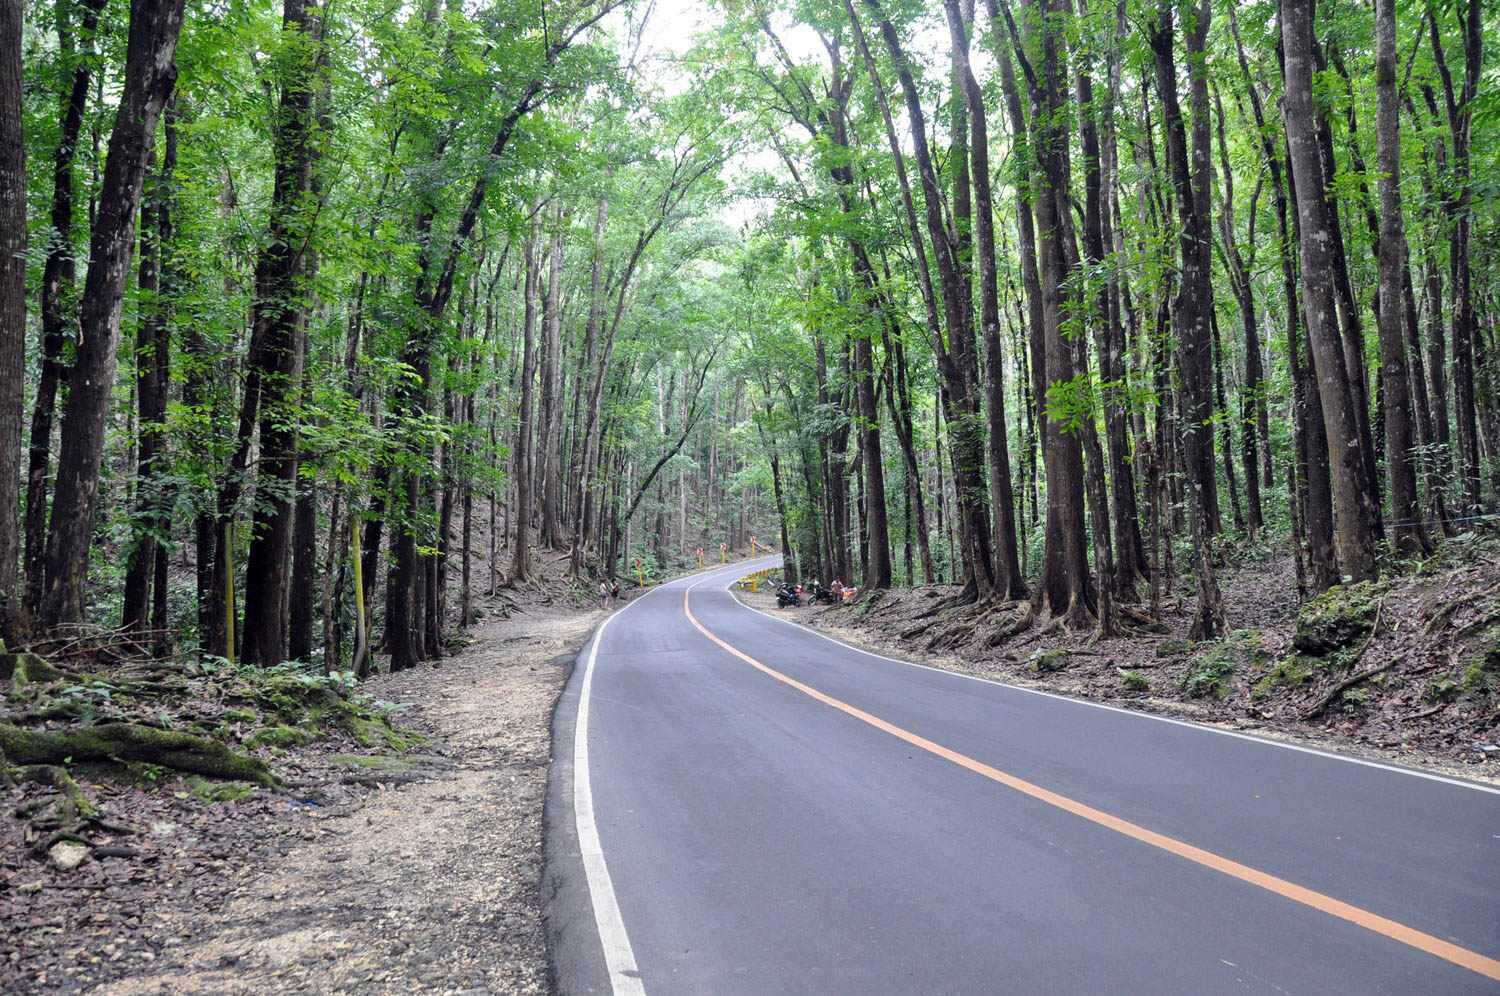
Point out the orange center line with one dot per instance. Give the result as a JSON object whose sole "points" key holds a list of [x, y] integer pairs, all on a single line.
{"points": [[1436, 946]]}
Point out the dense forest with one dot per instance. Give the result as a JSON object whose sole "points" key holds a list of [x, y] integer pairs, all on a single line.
{"points": [[321, 323]]}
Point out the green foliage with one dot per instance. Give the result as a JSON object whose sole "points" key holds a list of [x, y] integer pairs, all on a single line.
{"points": [[1211, 674]]}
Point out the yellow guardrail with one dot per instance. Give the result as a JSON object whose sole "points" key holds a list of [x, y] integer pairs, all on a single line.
{"points": [[752, 582]]}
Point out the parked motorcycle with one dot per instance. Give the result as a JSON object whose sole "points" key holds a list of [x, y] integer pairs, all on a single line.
{"points": [[787, 595]]}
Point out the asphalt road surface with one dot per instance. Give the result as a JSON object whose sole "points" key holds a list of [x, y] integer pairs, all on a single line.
{"points": [[739, 805]]}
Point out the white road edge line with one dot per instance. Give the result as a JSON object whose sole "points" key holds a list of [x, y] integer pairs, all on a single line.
{"points": [[1398, 769], [619, 956]]}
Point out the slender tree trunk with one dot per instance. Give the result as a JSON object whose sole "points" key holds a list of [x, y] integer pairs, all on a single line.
{"points": [[583, 430]]}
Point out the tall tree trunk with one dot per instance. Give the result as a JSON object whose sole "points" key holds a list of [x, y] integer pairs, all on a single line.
{"points": [[1406, 528], [150, 74], [955, 359], [12, 315], [1354, 540], [1129, 552], [304, 545], [549, 452], [1348, 309], [878, 559], [153, 344], [1008, 582], [57, 290], [1458, 207], [1065, 590], [1195, 301], [1253, 419], [283, 274], [521, 555], [1310, 463], [583, 432]]}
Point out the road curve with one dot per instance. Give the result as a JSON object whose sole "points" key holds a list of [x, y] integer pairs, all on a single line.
{"points": [[744, 806]]}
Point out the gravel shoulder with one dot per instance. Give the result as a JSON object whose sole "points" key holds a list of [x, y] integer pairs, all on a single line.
{"points": [[428, 881]]}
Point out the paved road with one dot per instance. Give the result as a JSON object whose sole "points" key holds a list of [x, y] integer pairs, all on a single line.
{"points": [[753, 808]]}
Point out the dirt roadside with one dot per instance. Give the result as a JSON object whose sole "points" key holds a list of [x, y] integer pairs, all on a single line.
{"points": [[419, 873]]}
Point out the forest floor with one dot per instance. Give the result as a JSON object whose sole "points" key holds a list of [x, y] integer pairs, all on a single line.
{"points": [[409, 861], [1405, 670]]}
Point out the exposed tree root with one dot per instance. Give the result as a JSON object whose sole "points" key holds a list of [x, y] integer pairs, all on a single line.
{"points": [[1343, 686], [1017, 624], [918, 630], [131, 742], [77, 804]]}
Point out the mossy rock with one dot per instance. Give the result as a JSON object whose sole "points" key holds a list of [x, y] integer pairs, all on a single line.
{"points": [[1298, 670], [280, 736], [1480, 679], [1211, 673], [1048, 661], [1354, 699], [210, 791], [1442, 690], [1336, 619], [1488, 658], [377, 730], [300, 706], [1174, 648], [1134, 681]]}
